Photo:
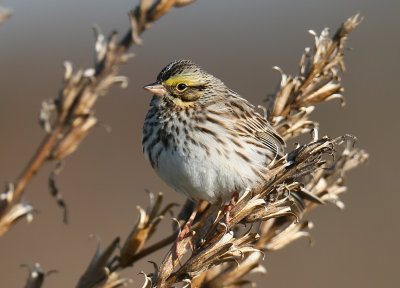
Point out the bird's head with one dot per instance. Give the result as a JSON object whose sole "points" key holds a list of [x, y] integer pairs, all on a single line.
{"points": [[185, 83]]}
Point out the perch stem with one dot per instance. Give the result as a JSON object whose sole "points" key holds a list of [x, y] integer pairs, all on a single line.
{"points": [[40, 156]]}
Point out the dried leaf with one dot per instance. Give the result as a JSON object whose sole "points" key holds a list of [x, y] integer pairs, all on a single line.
{"points": [[9, 214], [98, 271]]}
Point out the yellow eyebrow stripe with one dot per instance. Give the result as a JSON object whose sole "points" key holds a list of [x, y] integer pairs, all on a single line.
{"points": [[186, 79]]}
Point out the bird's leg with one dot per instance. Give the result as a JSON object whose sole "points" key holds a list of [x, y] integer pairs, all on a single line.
{"points": [[229, 207], [186, 228]]}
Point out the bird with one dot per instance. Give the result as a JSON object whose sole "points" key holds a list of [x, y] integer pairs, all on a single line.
{"points": [[204, 140]]}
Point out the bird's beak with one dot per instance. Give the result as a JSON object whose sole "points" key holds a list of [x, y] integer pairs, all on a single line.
{"points": [[156, 88]]}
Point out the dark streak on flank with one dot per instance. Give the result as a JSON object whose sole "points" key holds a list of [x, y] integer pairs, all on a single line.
{"points": [[164, 140], [261, 152], [257, 172], [145, 138], [158, 156], [237, 143], [190, 138], [153, 143], [151, 160], [151, 113], [215, 121], [206, 148], [207, 131], [244, 157]]}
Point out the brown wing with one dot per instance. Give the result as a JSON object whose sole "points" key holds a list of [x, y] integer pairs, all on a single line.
{"points": [[254, 125]]}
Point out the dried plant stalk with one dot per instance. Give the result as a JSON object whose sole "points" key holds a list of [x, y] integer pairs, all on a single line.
{"points": [[68, 118], [96, 275]]}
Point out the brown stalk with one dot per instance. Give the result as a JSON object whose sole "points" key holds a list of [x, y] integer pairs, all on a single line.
{"points": [[40, 156], [317, 68]]}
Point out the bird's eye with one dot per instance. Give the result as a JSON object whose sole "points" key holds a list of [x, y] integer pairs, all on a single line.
{"points": [[181, 86]]}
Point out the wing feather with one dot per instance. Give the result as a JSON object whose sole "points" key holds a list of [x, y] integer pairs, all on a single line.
{"points": [[255, 126]]}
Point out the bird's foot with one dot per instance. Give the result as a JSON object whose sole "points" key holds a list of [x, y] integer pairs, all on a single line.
{"points": [[228, 208], [186, 230], [182, 234]]}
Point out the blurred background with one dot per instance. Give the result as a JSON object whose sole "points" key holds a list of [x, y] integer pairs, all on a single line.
{"points": [[239, 42]]}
